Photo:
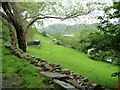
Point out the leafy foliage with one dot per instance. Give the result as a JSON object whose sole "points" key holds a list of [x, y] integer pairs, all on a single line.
{"points": [[110, 27]]}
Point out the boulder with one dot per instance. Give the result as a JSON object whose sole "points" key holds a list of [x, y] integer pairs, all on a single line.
{"points": [[7, 45], [65, 71], [74, 83], [64, 85], [36, 42], [54, 75]]}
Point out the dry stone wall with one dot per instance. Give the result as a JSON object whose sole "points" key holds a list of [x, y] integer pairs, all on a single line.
{"points": [[75, 79]]}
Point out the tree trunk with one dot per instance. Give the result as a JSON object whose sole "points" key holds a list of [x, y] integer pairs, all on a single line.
{"points": [[21, 37], [15, 17]]}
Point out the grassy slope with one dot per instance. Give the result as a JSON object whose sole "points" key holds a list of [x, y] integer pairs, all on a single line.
{"points": [[20, 73], [98, 72]]}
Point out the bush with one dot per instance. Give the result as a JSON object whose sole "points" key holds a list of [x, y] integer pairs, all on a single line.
{"points": [[59, 42]]}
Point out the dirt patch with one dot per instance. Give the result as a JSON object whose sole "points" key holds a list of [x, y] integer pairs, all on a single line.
{"points": [[11, 83]]}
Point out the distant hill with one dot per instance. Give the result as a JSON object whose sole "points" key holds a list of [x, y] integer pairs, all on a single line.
{"points": [[64, 29]]}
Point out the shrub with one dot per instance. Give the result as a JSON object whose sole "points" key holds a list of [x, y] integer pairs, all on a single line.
{"points": [[59, 42]]}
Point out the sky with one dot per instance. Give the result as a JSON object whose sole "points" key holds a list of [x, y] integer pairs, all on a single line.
{"points": [[86, 19]]}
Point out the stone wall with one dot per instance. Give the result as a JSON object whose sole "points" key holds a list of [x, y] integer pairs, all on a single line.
{"points": [[75, 79]]}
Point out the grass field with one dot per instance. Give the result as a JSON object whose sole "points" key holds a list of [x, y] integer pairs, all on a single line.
{"points": [[96, 71]]}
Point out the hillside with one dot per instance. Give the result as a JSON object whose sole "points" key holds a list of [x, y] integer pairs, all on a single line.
{"points": [[97, 71], [64, 29]]}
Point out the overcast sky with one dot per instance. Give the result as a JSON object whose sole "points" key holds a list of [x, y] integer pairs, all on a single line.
{"points": [[86, 19]]}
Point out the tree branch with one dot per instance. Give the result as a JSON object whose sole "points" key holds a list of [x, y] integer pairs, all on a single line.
{"points": [[3, 16], [56, 17], [43, 18]]}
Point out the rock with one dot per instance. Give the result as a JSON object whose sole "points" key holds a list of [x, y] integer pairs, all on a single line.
{"points": [[77, 77], [86, 79], [71, 76], [98, 87], [74, 83], [50, 63], [33, 61], [81, 84], [65, 71], [57, 70], [7, 45], [53, 65], [47, 67], [79, 81], [26, 56], [64, 85], [42, 60], [38, 68], [36, 42], [54, 75], [38, 59], [84, 88], [74, 74], [32, 56], [54, 41], [41, 64], [57, 65]]}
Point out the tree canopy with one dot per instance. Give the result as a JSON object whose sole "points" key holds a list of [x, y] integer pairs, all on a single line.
{"points": [[21, 15]]}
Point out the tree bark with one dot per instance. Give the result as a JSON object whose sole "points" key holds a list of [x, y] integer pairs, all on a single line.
{"points": [[21, 37]]}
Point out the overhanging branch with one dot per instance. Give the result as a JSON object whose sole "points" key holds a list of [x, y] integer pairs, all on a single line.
{"points": [[56, 17], [43, 18]]}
